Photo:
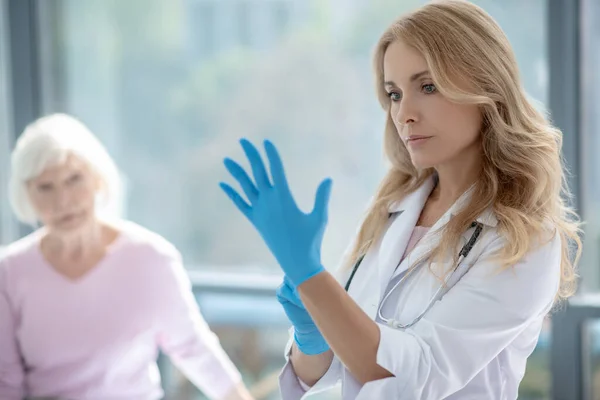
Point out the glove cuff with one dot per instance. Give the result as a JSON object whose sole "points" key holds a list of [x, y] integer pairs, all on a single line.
{"points": [[311, 344], [298, 280]]}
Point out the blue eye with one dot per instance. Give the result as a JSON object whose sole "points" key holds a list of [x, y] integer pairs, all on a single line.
{"points": [[394, 96], [429, 88]]}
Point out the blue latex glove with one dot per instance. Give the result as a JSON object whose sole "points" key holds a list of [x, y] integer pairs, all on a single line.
{"points": [[306, 334], [293, 236]]}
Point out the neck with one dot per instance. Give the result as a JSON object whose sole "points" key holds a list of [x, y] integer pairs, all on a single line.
{"points": [[78, 245], [456, 177]]}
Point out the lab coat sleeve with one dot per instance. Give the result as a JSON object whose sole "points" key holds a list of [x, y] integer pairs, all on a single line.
{"points": [[290, 386], [188, 340], [479, 317], [12, 375]]}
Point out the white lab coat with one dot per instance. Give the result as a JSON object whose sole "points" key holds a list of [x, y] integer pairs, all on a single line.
{"points": [[472, 344]]}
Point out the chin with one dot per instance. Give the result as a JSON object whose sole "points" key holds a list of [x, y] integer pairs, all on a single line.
{"points": [[423, 163], [72, 226], [67, 229]]}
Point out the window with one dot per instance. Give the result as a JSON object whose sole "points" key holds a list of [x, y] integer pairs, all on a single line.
{"points": [[171, 90], [590, 143], [168, 117]]}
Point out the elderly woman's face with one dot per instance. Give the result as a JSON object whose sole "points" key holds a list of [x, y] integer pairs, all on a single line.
{"points": [[63, 195]]}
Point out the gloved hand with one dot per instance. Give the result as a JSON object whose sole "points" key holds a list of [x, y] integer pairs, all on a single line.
{"points": [[293, 236], [306, 334]]}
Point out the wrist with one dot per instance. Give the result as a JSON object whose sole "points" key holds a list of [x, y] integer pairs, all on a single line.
{"points": [[299, 278]]}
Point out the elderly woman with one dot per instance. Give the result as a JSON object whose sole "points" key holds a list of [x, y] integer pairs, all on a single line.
{"points": [[86, 302]]}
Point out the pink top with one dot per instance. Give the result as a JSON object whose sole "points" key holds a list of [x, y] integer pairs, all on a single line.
{"points": [[98, 337]]}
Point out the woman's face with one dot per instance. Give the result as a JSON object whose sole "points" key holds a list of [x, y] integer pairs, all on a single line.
{"points": [[435, 130], [64, 196]]}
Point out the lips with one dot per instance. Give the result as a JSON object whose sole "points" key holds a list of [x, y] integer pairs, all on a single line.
{"points": [[416, 137], [69, 217]]}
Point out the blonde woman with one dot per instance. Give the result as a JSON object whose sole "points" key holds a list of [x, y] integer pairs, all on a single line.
{"points": [[465, 247], [86, 301]]}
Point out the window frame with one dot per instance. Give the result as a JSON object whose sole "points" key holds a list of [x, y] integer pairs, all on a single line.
{"points": [[23, 87], [7, 225]]}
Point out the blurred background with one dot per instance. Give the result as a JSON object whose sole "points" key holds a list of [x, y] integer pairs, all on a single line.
{"points": [[170, 86]]}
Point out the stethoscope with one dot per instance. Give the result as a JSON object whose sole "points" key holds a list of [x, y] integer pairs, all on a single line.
{"points": [[464, 252]]}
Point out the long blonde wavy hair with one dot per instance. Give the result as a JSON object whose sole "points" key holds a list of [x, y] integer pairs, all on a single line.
{"points": [[522, 178]]}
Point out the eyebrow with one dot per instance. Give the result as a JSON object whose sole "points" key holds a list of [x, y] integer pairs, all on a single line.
{"points": [[413, 78]]}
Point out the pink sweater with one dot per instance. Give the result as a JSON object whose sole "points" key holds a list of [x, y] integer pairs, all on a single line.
{"points": [[98, 337]]}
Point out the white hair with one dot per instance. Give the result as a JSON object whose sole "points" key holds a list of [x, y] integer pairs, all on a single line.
{"points": [[47, 142]]}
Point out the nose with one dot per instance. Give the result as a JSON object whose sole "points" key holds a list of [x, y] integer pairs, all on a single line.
{"points": [[406, 112], [61, 199]]}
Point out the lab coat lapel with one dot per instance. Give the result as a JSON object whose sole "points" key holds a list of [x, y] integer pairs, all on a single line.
{"points": [[425, 245], [396, 238], [433, 236]]}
